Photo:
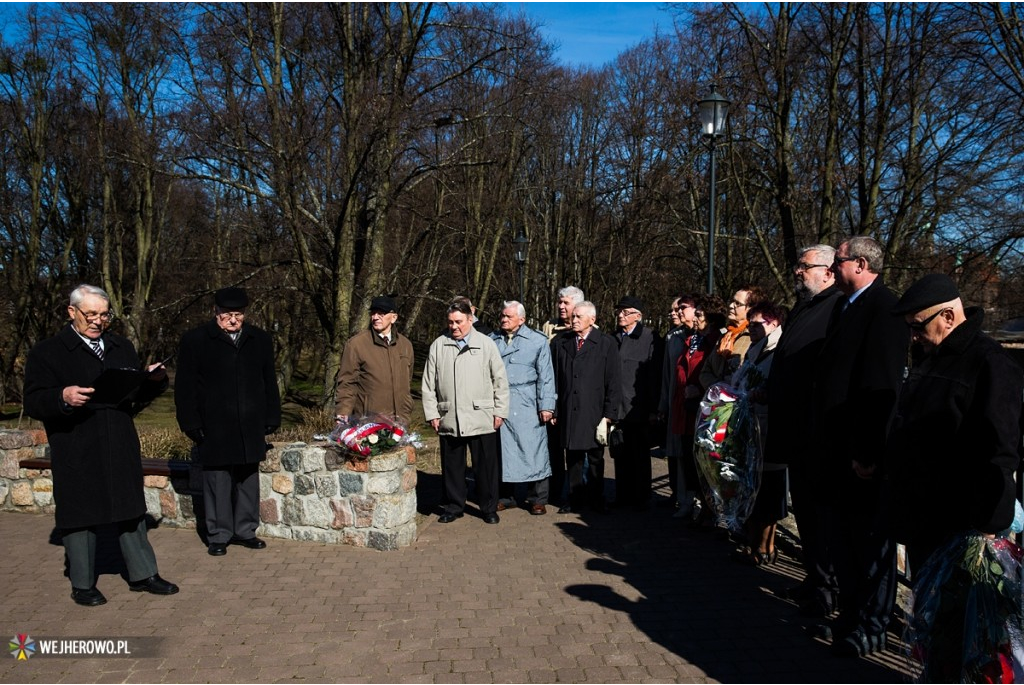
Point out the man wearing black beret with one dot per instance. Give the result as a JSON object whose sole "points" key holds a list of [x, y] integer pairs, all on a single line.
{"points": [[227, 401], [953, 446]]}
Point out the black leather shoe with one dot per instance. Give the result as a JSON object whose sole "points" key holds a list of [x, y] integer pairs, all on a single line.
{"points": [[448, 517], [565, 509], [154, 585], [251, 543], [217, 549], [88, 598], [859, 644], [491, 518]]}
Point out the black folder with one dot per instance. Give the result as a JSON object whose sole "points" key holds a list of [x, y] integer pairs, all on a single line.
{"points": [[113, 385]]}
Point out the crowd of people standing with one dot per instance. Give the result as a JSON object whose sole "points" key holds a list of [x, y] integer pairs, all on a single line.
{"points": [[881, 419], [848, 423]]}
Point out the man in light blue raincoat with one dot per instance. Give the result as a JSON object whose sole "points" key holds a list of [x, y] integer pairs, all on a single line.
{"points": [[531, 381]]}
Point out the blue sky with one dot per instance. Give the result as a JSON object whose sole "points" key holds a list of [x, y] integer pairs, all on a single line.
{"points": [[590, 33], [594, 33]]}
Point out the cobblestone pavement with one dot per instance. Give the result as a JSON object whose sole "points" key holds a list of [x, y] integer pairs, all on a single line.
{"points": [[626, 597]]}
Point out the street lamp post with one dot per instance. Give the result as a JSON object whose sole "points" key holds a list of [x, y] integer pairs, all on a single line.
{"points": [[713, 111], [521, 243]]}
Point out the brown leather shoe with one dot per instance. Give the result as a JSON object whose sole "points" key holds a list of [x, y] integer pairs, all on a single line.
{"points": [[501, 506], [538, 510]]}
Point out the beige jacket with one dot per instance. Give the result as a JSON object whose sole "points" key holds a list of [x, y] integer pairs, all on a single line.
{"points": [[465, 388]]}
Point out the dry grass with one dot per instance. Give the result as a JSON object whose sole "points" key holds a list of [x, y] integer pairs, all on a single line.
{"points": [[164, 443]]}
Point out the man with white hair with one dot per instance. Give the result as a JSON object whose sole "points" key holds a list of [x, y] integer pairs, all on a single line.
{"points": [[568, 298], [531, 384], [790, 405], [94, 448], [587, 379]]}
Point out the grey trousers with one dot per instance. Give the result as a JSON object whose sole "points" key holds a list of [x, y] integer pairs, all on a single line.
{"points": [[231, 495], [80, 545]]}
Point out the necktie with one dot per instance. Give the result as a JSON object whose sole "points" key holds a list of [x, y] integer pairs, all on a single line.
{"points": [[579, 344], [96, 348]]}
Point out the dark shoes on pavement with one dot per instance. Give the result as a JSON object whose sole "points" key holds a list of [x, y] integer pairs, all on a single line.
{"points": [[90, 597], [154, 585], [858, 643], [565, 509], [448, 517], [538, 510], [491, 518], [217, 549], [251, 543]]}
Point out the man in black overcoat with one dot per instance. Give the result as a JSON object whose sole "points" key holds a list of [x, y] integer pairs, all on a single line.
{"points": [[94, 449], [589, 393], [227, 401], [954, 442], [791, 404], [859, 371], [639, 363]]}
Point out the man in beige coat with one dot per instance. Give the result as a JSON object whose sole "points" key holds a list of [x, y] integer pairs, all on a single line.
{"points": [[376, 368], [466, 399]]}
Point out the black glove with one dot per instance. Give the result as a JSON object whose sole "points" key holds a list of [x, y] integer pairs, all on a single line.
{"points": [[196, 435]]}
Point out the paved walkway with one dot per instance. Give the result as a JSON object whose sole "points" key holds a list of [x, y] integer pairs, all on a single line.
{"points": [[630, 597]]}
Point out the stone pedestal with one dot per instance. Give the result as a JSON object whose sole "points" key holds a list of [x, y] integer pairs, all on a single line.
{"points": [[309, 492]]}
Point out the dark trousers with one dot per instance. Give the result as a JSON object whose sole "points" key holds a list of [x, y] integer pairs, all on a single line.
{"points": [[632, 464], [537, 492], [231, 495], [556, 453], [865, 557], [812, 511], [486, 469], [80, 545], [589, 487]]}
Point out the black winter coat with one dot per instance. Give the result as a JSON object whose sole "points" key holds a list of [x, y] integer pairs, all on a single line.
{"points": [[857, 378], [790, 400], [953, 447], [640, 355], [588, 385], [94, 450], [227, 391]]}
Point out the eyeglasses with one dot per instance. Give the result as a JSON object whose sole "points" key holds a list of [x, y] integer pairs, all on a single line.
{"points": [[737, 304], [231, 316], [919, 326], [106, 316], [801, 267], [840, 260], [760, 322], [627, 312]]}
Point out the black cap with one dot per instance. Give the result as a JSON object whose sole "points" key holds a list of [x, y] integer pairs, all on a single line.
{"points": [[630, 302], [383, 303], [927, 292], [231, 298]]}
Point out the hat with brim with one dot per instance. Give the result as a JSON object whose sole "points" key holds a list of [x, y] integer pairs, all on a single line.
{"points": [[926, 292], [630, 302], [384, 304], [231, 298]]}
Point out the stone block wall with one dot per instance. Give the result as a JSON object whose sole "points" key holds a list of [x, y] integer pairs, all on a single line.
{"points": [[307, 491]]}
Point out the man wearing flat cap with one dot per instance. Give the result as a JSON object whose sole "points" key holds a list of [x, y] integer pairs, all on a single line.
{"points": [[376, 367], [953, 444], [639, 357], [227, 401]]}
